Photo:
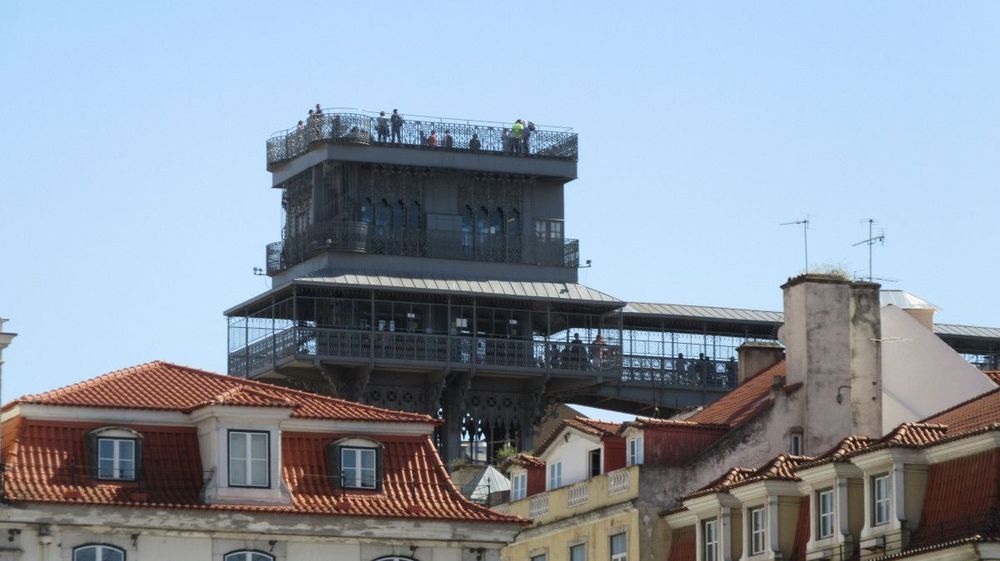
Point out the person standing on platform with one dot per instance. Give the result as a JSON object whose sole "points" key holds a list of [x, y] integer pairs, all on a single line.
{"points": [[397, 126], [516, 136], [382, 127]]}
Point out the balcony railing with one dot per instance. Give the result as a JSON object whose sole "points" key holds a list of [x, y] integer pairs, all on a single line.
{"points": [[678, 371], [538, 505], [362, 346], [619, 481], [578, 493], [360, 237], [363, 128]]}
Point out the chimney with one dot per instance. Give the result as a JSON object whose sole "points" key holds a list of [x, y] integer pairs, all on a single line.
{"points": [[831, 335], [756, 356]]}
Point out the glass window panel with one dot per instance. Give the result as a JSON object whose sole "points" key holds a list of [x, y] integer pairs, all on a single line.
{"points": [[105, 468], [126, 449], [577, 553], [106, 448], [108, 554], [618, 544], [85, 554], [237, 471], [258, 446], [258, 473], [261, 557], [237, 445], [368, 459]]}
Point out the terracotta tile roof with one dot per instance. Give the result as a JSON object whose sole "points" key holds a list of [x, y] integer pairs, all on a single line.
{"points": [[912, 435], [164, 386], [741, 404], [780, 468], [602, 429], [844, 449], [993, 375], [647, 423], [961, 500], [44, 464], [524, 460], [683, 546], [970, 415]]}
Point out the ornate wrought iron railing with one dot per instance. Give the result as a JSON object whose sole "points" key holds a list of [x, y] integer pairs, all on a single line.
{"points": [[361, 237], [465, 136], [604, 360]]}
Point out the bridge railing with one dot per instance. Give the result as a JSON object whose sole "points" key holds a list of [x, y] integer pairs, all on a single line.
{"points": [[491, 352], [466, 136]]}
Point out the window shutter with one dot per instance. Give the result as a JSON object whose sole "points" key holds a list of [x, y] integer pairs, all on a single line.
{"points": [[379, 472], [333, 465], [90, 462]]}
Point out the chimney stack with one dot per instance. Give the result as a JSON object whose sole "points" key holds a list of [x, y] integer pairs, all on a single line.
{"points": [[756, 356], [832, 335]]}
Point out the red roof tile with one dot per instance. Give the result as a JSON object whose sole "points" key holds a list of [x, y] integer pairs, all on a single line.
{"points": [[647, 423], [844, 449], [585, 425], [524, 460], [45, 463], [993, 375], [170, 387], [802, 529], [781, 468], [739, 405], [960, 500], [970, 415]]}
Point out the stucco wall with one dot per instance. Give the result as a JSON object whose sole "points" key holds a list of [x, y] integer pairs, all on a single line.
{"points": [[594, 531]]}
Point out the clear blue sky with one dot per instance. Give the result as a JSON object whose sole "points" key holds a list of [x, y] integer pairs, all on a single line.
{"points": [[135, 202]]}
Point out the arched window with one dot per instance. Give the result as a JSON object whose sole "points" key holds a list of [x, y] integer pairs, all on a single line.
{"points": [[248, 555], [398, 217], [382, 218], [468, 224], [98, 552], [395, 558], [366, 211], [415, 218]]}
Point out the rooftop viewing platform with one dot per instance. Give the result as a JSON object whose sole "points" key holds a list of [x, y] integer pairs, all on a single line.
{"points": [[350, 126]]}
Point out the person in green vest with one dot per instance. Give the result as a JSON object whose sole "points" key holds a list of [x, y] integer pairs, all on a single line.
{"points": [[516, 134]]}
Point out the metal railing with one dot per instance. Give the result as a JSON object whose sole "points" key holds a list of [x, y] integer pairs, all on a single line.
{"points": [[465, 136], [360, 237], [354, 345], [679, 371]]}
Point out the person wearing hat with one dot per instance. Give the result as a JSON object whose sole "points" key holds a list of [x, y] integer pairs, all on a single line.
{"points": [[397, 125]]}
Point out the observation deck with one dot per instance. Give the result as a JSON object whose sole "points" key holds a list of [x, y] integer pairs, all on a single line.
{"points": [[353, 134]]}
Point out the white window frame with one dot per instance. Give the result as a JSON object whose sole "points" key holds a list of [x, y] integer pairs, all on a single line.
{"points": [[519, 486], [757, 519], [824, 514], [578, 547], [249, 460], [710, 539], [795, 444], [622, 555], [635, 451], [358, 480], [248, 555], [555, 475], [881, 505], [99, 549], [117, 458]]}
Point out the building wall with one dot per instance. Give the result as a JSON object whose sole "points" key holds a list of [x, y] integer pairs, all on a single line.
{"points": [[594, 530], [613, 454], [572, 449], [675, 446], [914, 359]]}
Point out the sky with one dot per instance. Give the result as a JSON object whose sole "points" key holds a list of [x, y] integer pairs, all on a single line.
{"points": [[134, 200]]}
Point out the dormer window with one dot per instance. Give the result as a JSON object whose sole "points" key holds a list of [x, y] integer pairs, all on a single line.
{"points": [[98, 552], [116, 458], [519, 486], [635, 451], [358, 467], [824, 514], [880, 499], [355, 463], [710, 540], [757, 531], [115, 453], [249, 459]]}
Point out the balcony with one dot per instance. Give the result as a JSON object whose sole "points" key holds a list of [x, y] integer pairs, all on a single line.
{"points": [[599, 491], [362, 128], [360, 237], [434, 350]]}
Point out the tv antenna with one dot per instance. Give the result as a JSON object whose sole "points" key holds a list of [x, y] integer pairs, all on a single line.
{"points": [[871, 241], [805, 235]]}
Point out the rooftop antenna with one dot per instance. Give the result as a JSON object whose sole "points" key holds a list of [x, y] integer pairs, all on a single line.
{"points": [[805, 235], [872, 240]]}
